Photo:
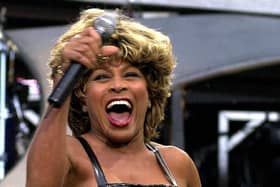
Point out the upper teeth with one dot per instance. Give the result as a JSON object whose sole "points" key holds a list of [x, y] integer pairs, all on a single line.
{"points": [[122, 102]]}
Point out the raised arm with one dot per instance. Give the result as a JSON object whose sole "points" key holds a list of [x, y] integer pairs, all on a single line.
{"points": [[48, 161]]}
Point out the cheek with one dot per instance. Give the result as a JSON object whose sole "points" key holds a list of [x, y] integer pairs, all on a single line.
{"points": [[142, 93], [94, 94]]}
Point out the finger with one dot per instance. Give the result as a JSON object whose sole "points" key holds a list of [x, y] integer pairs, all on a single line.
{"points": [[109, 50], [90, 37], [80, 58], [78, 54], [85, 50], [95, 40], [77, 36], [84, 44], [86, 40]]}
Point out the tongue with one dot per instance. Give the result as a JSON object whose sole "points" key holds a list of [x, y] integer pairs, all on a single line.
{"points": [[119, 119]]}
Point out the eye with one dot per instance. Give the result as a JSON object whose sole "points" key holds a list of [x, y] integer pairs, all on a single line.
{"points": [[132, 74], [100, 77]]}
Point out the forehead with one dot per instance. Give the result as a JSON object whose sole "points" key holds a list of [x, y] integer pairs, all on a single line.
{"points": [[114, 63]]}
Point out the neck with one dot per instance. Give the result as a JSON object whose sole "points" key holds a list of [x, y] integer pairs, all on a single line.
{"points": [[134, 145]]}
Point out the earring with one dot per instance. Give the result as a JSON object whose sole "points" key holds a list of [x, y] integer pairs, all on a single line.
{"points": [[84, 108], [149, 104]]}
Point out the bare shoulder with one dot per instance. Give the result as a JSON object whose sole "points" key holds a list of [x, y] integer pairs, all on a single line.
{"points": [[71, 140], [74, 147], [80, 169], [171, 153], [180, 164], [76, 154], [71, 146]]}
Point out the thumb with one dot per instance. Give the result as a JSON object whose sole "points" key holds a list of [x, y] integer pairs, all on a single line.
{"points": [[109, 50]]}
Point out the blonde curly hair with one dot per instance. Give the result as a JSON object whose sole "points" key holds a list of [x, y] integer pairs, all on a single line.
{"points": [[143, 47]]}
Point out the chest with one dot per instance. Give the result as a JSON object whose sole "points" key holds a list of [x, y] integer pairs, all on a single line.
{"points": [[134, 171]]}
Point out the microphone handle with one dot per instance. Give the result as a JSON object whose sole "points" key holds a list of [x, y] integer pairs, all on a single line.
{"points": [[66, 83]]}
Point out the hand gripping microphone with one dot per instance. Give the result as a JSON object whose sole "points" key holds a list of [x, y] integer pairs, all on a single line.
{"points": [[105, 26]]}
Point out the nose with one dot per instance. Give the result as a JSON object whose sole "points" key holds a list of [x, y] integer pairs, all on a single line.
{"points": [[118, 85]]}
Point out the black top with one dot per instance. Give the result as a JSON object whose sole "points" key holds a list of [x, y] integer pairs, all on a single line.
{"points": [[101, 179]]}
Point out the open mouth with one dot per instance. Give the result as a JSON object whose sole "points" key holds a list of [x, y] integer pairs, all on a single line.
{"points": [[119, 112]]}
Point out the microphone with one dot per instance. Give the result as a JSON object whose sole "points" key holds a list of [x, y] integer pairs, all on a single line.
{"points": [[105, 25]]}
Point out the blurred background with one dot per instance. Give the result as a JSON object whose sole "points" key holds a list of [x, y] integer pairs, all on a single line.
{"points": [[224, 110]]}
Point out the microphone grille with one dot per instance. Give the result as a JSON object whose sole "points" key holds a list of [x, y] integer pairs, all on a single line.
{"points": [[105, 25]]}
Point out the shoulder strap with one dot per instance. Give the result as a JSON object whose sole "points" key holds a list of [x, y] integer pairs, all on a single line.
{"points": [[99, 174], [162, 163]]}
